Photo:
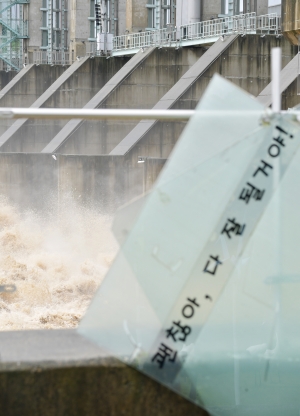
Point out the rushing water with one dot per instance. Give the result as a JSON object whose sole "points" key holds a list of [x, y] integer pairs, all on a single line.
{"points": [[56, 262]]}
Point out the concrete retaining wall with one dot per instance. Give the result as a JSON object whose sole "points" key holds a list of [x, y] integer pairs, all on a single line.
{"points": [[59, 373]]}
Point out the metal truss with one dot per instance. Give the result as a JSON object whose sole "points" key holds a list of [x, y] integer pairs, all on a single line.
{"points": [[13, 31]]}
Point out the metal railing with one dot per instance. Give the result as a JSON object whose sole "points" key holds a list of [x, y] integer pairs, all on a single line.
{"points": [[144, 39], [56, 58], [268, 24], [203, 32], [244, 23], [91, 49]]}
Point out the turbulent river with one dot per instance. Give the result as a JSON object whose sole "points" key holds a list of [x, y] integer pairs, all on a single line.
{"points": [[56, 262]]}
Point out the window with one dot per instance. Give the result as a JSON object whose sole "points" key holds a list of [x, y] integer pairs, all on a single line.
{"points": [[92, 30], [151, 18], [166, 8], [92, 8], [57, 25], [44, 38], [65, 19], [151, 14], [57, 40], [44, 19]]}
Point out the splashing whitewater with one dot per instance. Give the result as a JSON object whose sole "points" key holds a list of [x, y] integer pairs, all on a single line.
{"points": [[56, 263]]}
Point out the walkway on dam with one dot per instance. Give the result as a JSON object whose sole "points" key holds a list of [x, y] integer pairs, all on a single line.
{"points": [[203, 33], [200, 33]]}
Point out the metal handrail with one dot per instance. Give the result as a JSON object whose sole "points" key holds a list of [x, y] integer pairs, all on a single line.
{"points": [[269, 24], [144, 39], [243, 23], [219, 27], [91, 49], [56, 58]]}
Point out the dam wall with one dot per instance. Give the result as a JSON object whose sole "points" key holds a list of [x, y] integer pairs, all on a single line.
{"points": [[83, 166], [58, 372], [38, 181], [6, 77], [73, 88], [142, 89], [246, 63], [25, 87]]}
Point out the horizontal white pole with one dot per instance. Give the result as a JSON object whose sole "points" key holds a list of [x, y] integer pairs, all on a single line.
{"points": [[96, 114], [116, 114]]}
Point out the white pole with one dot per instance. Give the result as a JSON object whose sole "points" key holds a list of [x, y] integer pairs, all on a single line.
{"points": [[130, 114], [96, 114], [276, 69]]}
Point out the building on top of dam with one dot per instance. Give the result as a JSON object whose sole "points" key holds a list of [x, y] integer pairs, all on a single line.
{"points": [[56, 31]]}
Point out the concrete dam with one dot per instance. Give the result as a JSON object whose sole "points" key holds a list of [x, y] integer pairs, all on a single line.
{"points": [[53, 172], [98, 159], [61, 181]]}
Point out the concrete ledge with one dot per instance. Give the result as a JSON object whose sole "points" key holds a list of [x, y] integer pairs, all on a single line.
{"points": [[59, 373]]}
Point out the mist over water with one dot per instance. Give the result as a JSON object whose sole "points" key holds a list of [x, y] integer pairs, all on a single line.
{"points": [[57, 260]]}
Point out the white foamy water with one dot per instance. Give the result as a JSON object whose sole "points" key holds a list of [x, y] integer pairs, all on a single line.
{"points": [[56, 262]]}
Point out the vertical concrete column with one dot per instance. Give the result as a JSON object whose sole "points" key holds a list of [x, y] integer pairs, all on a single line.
{"points": [[181, 13], [35, 23], [290, 20], [136, 15], [210, 9], [129, 15], [121, 22], [194, 11], [79, 11]]}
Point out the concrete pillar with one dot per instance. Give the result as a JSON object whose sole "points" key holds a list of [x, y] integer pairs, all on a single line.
{"points": [[136, 15], [194, 11], [181, 13], [121, 22], [79, 11], [290, 20], [210, 9], [261, 7], [35, 23], [129, 15]]}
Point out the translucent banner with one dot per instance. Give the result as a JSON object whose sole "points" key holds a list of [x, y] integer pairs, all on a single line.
{"points": [[202, 293]]}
